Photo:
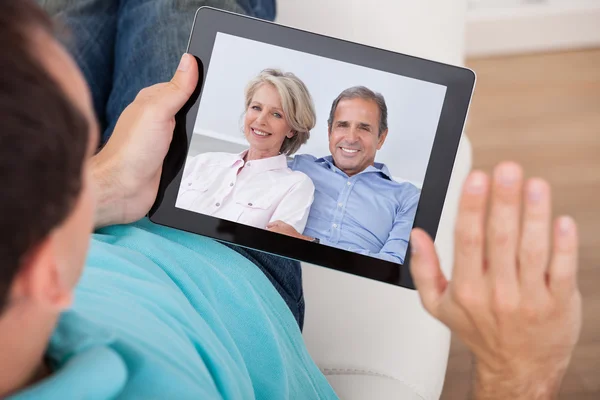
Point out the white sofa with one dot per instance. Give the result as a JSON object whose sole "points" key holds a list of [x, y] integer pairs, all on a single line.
{"points": [[373, 340]]}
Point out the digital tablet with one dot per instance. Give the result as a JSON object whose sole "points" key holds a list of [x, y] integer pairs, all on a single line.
{"points": [[312, 148]]}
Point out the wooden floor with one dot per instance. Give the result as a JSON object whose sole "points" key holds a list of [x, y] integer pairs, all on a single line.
{"points": [[543, 111]]}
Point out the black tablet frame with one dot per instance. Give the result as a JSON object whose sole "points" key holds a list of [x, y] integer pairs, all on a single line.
{"points": [[459, 82]]}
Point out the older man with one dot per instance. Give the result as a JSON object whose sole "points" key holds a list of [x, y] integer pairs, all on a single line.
{"points": [[358, 206], [103, 347]]}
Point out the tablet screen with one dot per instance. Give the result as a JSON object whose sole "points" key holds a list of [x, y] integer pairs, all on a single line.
{"points": [[310, 147]]}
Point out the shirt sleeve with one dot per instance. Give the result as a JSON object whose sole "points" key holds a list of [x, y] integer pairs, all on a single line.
{"points": [[293, 209], [395, 247], [191, 164]]}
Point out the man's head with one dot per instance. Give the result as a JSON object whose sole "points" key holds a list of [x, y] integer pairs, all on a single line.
{"points": [[48, 134], [357, 128]]}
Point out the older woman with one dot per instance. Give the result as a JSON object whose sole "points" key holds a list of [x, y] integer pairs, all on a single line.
{"points": [[256, 187]]}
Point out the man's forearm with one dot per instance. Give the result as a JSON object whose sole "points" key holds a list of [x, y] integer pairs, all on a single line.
{"points": [[536, 385], [381, 255], [108, 200], [303, 237]]}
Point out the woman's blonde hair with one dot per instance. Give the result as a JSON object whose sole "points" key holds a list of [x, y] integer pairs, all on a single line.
{"points": [[296, 101]]}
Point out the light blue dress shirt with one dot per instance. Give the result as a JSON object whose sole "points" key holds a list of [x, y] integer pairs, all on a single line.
{"points": [[165, 314], [368, 213]]}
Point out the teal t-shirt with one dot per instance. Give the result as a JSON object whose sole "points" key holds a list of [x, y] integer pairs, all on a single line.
{"points": [[164, 314]]}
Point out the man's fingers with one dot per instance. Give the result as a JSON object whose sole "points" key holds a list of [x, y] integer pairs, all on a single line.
{"points": [[563, 267], [534, 252], [181, 86], [470, 228], [503, 228], [426, 271]]}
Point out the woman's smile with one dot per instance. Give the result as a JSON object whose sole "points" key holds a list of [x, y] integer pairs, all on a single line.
{"points": [[260, 133]]}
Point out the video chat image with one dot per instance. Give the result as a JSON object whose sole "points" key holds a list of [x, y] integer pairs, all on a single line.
{"points": [[310, 147]]}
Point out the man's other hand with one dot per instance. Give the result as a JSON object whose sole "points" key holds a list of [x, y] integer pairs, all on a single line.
{"points": [[513, 298], [128, 169]]}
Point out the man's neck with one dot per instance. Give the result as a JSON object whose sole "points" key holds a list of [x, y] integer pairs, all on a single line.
{"points": [[351, 173], [24, 336]]}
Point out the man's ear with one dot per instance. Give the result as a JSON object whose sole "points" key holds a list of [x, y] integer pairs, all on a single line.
{"points": [[381, 139], [40, 279]]}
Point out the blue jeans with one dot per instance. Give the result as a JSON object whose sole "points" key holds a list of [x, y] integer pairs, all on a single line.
{"points": [[123, 46]]}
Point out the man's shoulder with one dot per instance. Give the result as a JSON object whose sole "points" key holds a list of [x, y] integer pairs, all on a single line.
{"points": [[406, 186], [300, 159], [307, 163], [406, 189], [398, 189], [104, 367], [407, 194]]}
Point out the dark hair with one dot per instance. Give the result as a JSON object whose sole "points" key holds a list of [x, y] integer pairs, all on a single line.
{"points": [[361, 92], [43, 141]]}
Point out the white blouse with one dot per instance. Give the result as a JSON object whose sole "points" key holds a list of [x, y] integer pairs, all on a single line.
{"points": [[264, 191]]}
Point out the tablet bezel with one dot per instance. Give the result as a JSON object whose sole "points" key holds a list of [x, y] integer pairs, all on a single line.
{"points": [[459, 82]]}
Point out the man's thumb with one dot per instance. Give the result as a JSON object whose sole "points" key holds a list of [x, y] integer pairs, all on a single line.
{"points": [[183, 83]]}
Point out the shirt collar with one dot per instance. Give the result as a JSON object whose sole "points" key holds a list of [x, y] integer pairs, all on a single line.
{"points": [[381, 168], [262, 165], [79, 352], [75, 333]]}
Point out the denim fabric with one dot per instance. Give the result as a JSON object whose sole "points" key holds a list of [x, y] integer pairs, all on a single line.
{"points": [[284, 274], [91, 27], [264, 9], [123, 46]]}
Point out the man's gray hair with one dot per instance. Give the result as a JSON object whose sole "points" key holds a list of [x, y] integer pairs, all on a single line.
{"points": [[361, 92]]}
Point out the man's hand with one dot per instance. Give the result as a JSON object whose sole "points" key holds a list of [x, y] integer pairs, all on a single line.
{"points": [[127, 170], [513, 298], [286, 229]]}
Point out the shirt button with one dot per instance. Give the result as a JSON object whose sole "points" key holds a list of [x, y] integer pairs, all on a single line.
{"points": [[348, 183], [218, 204], [190, 184], [334, 226], [231, 184], [340, 204], [249, 164], [250, 204]]}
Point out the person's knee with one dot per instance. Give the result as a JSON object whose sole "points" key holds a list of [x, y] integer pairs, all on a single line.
{"points": [[56, 7], [193, 5]]}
